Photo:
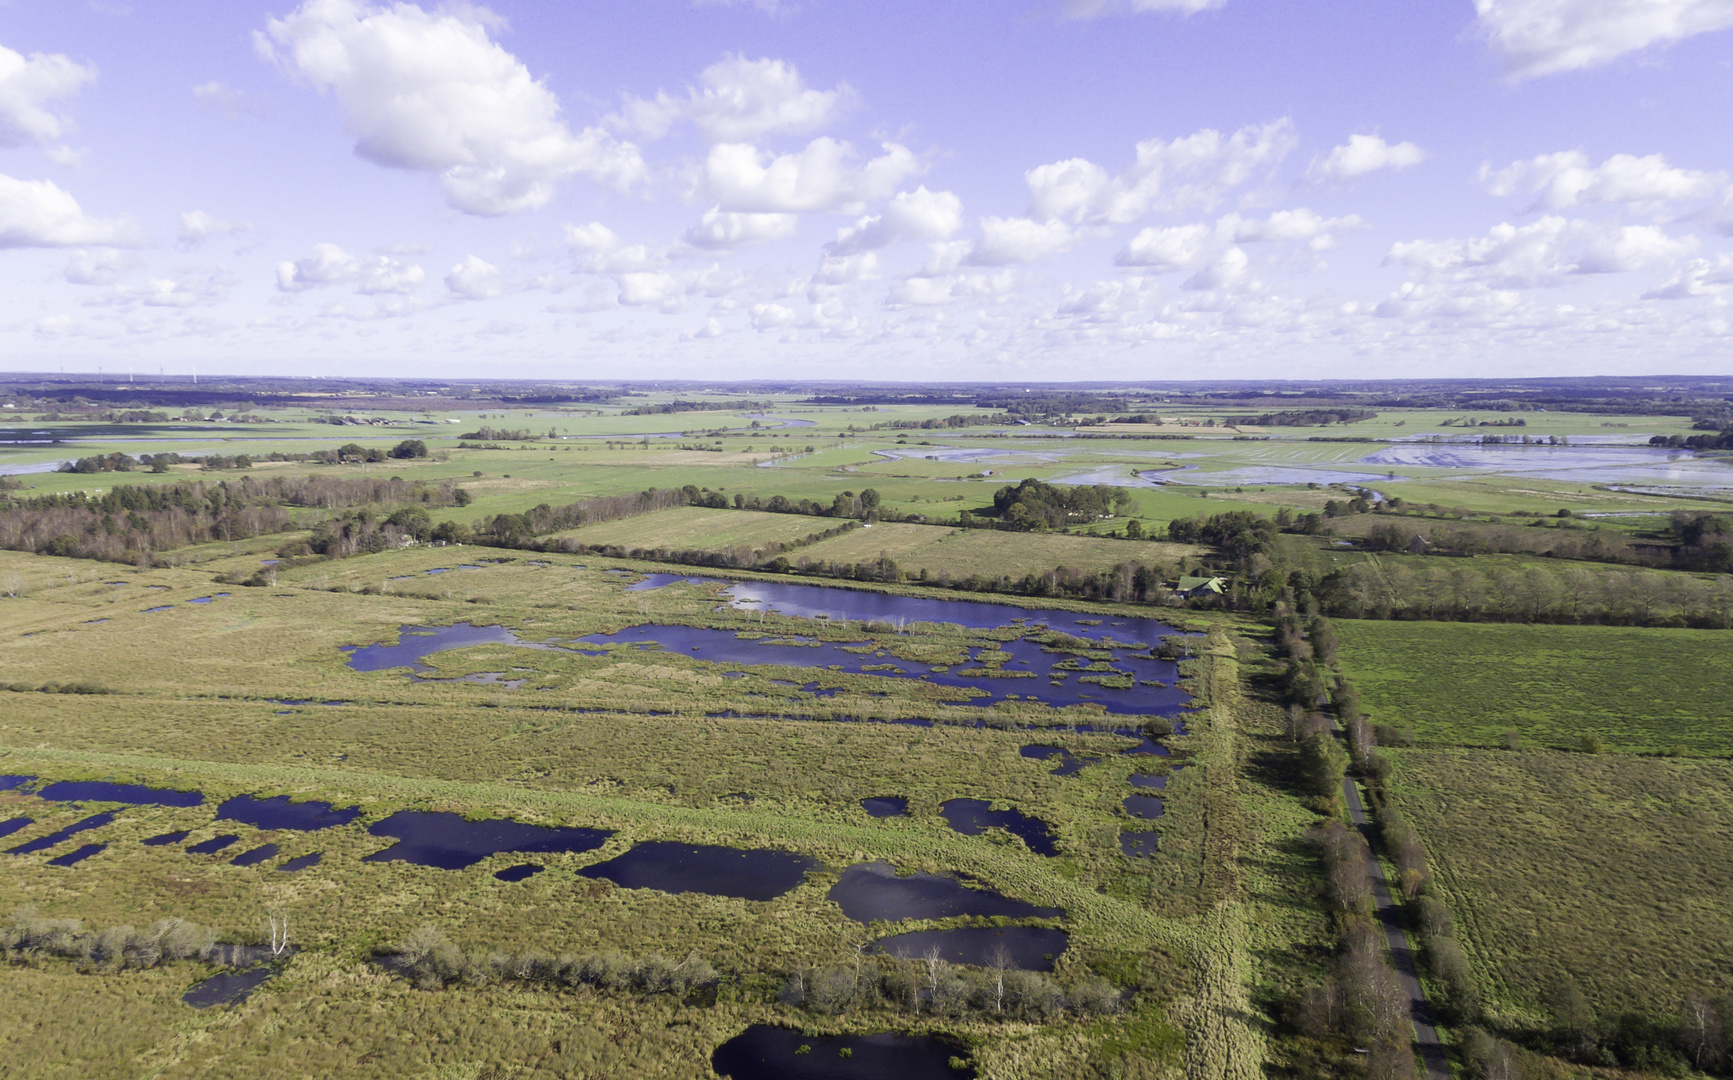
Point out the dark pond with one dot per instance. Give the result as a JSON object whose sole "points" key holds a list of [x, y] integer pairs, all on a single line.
{"points": [[160, 607], [208, 599], [1029, 948], [1068, 764], [43, 843], [416, 642], [255, 856], [280, 813], [519, 873], [1139, 845], [749, 874], [12, 825], [972, 817], [132, 794], [1147, 807], [451, 842], [78, 856], [868, 891], [762, 1052], [14, 782], [1027, 657], [300, 862], [1144, 780], [228, 988], [213, 845], [167, 838], [886, 806]]}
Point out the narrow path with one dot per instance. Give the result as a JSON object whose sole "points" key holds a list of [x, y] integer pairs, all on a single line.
{"points": [[1401, 956]]}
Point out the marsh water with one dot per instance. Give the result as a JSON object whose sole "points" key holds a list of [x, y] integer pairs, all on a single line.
{"points": [[886, 806], [281, 813], [452, 842], [972, 817], [1028, 948], [744, 873], [763, 1052], [131, 794], [876, 890]]}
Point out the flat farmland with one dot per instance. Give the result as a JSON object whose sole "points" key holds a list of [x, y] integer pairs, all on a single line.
{"points": [[697, 528], [965, 552], [1635, 689], [1611, 871]]}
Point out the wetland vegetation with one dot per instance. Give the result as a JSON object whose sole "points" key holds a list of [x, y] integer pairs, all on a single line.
{"points": [[943, 758]]}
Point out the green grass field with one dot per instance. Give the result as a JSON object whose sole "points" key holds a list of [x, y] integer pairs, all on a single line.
{"points": [[1467, 684], [696, 528], [961, 553], [1611, 871]]}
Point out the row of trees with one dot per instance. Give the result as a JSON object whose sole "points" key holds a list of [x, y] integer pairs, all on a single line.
{"points": [[929, 984], [432, 961], [117, 948]]}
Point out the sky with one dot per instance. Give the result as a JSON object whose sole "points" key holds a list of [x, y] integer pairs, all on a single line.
{"points": [[913, 190]]}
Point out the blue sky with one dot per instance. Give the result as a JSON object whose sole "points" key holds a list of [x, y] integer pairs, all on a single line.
{"points": [[867, 189]]}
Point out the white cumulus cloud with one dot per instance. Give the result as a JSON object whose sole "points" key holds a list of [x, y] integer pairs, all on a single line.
{"points": [[1544, 37], [198, 226], [40, 214], [1543, 253], [601, 251], [431, 92], [721, 230], [822, 177], [1568, 179], [1699, 277], [1363, 154], [1195, 171], [328, 265], [738, 100], [27, 85], [475, 279], [1181, 247], [1019, 240], [101, 266], [912, 215]]}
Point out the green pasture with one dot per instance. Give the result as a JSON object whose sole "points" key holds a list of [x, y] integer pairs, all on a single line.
{"points": [[1632, 689], [696, 528], [1609, 871]]}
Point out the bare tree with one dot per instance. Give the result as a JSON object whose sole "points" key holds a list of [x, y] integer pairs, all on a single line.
{"points": [[1001, 963], [277, 917], [935, 969]]}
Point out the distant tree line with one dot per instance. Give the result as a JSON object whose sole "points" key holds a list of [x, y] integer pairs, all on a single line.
{"points": [[699, 406], [1302, 418], [955, 420]]}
